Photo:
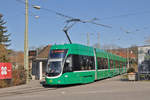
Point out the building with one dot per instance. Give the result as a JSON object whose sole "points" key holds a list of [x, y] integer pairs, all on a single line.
{"points": [[144, 59], [38, 62]]}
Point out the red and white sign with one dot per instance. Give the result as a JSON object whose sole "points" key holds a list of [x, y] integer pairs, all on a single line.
{"points": [[5, 70]]}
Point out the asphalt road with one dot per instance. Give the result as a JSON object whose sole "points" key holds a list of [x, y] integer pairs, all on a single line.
{"points": [[109, 89]]}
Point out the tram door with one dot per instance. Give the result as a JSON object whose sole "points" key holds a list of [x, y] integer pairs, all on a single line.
{"points": [[95, 64]]}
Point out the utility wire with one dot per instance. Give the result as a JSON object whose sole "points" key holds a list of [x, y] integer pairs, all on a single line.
{"points": [[136, 30], [20, 1], [70, 19], [125, 15], [49, 10]]}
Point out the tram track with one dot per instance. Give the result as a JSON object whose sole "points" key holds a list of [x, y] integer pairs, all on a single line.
{"points": [[25, 91]]}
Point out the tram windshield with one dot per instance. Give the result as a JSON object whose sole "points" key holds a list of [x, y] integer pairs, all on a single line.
{"points": [[58, 53], [54, 68]]}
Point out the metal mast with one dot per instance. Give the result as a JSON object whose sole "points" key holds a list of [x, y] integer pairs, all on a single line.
{"points": [[26, 63]]}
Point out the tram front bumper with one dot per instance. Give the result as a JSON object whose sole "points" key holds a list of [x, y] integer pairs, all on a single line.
{"points": [[55, 81]]}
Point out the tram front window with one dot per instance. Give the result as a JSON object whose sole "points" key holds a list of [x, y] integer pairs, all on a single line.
{"points": [[54, 68]]}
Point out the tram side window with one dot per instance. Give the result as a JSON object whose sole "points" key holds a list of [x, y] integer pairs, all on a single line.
{"points": [[81, 62], [91, 63], [117, 64], [111, 64], [121, 64], [102, 63], [105, 63], [76, 62], [99, 63], [124, 65]]}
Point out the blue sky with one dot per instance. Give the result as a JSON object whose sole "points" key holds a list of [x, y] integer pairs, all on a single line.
{"points": [[123, 15]]}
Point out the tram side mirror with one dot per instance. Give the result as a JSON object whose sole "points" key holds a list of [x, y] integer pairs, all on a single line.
{"points": [[68, 60]]}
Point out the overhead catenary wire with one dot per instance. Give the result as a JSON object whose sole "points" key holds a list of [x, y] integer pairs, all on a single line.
{"points": [[136, 30], [71, 21], [91, 21], [69, 18], [49, 10], [124, 15]]}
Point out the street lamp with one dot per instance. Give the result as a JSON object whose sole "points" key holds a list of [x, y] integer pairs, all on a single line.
{"points": [[36, 7], [26, 61]]}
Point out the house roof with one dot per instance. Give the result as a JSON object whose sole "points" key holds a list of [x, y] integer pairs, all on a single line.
{"points": [[123, 53], [43, 54]]}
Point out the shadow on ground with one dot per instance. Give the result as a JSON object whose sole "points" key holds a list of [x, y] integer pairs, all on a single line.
{"points": [[58, 86]]}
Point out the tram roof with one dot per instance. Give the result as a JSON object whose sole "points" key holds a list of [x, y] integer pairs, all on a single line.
{"points": [[68, 46], [100, 52]]}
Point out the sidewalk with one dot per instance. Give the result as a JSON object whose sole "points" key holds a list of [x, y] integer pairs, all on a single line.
{"points": [[32, 84]]}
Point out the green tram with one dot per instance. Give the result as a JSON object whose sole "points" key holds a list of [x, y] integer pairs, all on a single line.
{"points": [[79, 64]]}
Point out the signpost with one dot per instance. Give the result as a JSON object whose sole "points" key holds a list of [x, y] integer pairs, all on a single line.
{"points": [[5, 71]]}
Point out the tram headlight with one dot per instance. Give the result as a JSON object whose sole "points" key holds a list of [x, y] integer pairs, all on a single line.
{"points": [[50, 81]]}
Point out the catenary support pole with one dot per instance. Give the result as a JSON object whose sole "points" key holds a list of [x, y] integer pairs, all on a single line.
{"points": [[26, 63]]}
